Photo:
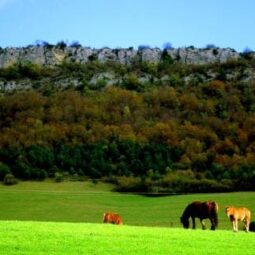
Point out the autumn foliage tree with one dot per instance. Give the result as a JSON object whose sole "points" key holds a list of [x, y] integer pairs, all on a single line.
{"points": [[160, 136]]}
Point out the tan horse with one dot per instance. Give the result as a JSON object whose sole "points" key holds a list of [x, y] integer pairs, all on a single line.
{"points": [[112, 218], [238, 214]]}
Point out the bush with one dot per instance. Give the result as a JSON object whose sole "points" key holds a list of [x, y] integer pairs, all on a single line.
{"points": [[61, 45], [166, 58], [30, 70], [167, 46], [59, 177], [4, 169], [185, 182], [143, 47], [42, 175], [210, 46], [75, 44], [131, 82], [9, 179], [129, 184]]}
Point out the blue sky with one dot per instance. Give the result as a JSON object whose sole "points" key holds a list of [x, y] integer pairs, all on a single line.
{"points": [[116, 23]]}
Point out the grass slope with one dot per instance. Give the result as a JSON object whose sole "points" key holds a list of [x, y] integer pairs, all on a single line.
{"points": [[85, 202], [81, 238]]}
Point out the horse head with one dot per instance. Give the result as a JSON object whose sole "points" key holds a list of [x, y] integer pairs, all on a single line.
{"points": [[185, 222]]}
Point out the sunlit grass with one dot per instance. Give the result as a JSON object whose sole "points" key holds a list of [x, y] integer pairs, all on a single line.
{"points": [[82, 238], [85, 202]]}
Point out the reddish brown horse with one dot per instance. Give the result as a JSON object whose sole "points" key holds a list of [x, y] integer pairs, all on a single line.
{"points": [[112, 218], [201, 210]]}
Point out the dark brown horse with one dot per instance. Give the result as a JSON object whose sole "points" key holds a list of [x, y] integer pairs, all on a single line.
{"points": [[252, 226], [201, 210]]}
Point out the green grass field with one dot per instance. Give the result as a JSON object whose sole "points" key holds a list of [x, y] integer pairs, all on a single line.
{"points": [[65, 218], [30, 238], [85, 202]]}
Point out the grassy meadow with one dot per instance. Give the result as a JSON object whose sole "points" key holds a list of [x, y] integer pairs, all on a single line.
{"points": [[85, 202], [29, 238], [65, 218]]}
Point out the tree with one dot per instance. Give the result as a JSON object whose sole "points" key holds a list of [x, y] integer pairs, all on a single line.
{"points": [[167, 46]]}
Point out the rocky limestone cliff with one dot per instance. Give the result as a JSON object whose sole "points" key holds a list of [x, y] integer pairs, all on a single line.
{"points": [[53, 55]]}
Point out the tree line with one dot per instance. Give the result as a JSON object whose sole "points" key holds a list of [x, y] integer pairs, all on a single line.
{"points": [[169, 138]]}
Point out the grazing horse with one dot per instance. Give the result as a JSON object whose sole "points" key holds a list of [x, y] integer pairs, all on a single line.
{"points": [[238, 214], [112, 218], [201, 210]]}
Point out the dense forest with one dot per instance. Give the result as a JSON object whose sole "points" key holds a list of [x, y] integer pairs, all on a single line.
{"points": [[170, 136]]}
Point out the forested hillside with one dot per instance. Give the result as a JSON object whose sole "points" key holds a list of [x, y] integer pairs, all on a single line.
{"points": [[187, 133]]}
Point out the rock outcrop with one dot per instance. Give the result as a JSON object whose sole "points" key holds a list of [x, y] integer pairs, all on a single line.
{"points": [[53, 55]]}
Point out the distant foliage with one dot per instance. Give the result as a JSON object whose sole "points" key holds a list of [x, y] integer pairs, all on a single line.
{"points": [[247, 50], [9, 179], [40, 43], [143, 47], [4, 170], [59, 177], [61, 45], [210, 46], [161, 135], [75, 44], [167, 46], [166, 59]]}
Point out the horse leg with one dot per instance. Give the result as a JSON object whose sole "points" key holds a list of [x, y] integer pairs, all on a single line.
{"points": [[203, 224], [193, 223], [246, 225], [234, 225], [213, 224]]}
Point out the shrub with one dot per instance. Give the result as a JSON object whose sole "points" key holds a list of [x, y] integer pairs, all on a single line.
{"points": [[59, 177], [47, 45], [210, 46], [75, 44], [185, 182], [42, 174], [61, 45], [143, 47], [215, 52], [167, 46], [247, 54], [129, 184], [4, 169], [11, 72], [30, 70], [247, 50], [9, 179], [131, 82], [166, 58]]}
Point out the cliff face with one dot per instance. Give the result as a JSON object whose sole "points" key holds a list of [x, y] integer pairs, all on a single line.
{"points": [[51, 56]]}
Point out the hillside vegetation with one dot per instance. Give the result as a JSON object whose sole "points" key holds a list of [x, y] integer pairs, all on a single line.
{"points": [[188, 133]]}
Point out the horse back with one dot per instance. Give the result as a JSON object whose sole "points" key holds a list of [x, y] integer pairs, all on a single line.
{"points": [[244, 213], [113, 218], [238, 213], [204, 210]]}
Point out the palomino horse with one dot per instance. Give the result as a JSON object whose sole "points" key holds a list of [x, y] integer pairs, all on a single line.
{"points": [[112, 218], [201, 210], [238, 214]]}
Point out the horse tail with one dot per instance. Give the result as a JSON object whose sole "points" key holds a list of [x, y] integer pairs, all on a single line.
{"points": [[215, 209]]}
